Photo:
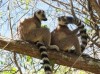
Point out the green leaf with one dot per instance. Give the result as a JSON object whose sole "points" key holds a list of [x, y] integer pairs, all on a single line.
{"points": [[28, 1], [26, 7], [44, 26], [87, 21], [58, 10], [27, 4], [1, 62], [14, 69], [28, 59]]}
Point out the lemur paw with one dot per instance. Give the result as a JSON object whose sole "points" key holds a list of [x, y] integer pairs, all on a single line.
{"points": [[54, 47], [23, 42]]}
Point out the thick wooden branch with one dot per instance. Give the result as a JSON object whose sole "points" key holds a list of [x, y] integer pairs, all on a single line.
{"points": [[84, 63], [95, 6]]}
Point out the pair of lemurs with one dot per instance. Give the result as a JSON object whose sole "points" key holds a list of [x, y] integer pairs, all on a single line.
{"points": [[30, 30]]}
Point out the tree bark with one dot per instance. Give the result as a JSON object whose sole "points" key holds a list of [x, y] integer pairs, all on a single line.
{"points": [[61, 58], [95, 6]]}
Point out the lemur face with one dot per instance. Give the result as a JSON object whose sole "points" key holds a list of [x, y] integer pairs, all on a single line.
{"points": [[62, 20], [40, 14]]}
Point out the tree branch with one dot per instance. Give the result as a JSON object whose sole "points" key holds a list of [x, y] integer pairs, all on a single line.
{"points": [[61, 58], [95, 6]]}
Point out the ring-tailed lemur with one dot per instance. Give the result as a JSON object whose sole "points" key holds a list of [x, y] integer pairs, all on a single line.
{"points": [[64, 38], [30, 30]]}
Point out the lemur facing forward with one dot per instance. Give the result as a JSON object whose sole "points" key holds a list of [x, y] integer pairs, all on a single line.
{"points": [[64, 38], [30, 30]]}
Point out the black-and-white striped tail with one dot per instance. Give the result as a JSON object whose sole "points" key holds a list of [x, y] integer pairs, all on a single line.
{"points": [[83, 35], [82, 30], [44, 57]]}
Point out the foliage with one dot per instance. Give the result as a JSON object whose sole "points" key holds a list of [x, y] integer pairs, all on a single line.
{"points": [[21, 9]]}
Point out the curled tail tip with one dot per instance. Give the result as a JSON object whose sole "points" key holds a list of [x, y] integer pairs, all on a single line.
{"points": [[54, 47]]}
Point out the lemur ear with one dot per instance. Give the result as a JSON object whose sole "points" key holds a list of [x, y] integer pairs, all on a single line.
{"points": [[39, 12], [59, 18]]}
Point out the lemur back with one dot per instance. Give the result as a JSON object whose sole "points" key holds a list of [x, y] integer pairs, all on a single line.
{"points": [[25, 28], [30, 30], [63, 37]]}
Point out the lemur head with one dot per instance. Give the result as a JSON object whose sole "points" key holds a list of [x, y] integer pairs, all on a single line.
{"points": [[62, 20], [40, 14]]}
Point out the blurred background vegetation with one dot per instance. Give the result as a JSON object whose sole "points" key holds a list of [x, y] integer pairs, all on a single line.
{"points": [[13, 11]]}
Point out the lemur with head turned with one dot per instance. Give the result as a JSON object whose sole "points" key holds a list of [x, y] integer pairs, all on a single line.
{"points": [[64, 38]]}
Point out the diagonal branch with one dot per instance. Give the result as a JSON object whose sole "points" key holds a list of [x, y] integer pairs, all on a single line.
{"points": [[84, 63], [95, 6]]}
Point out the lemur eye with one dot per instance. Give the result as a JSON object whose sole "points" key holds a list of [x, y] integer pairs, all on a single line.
{"points": [[63, 19], [43, 15], [43, 11]]}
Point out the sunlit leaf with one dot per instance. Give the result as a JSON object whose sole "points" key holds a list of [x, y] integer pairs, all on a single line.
{"points": [[14, 69], [43, 25], [87, 21], [58, 10], [28, 1], [29, 59]]}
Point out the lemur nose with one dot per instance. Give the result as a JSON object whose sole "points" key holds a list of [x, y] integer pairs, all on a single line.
{"points": [[45, 19]]}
